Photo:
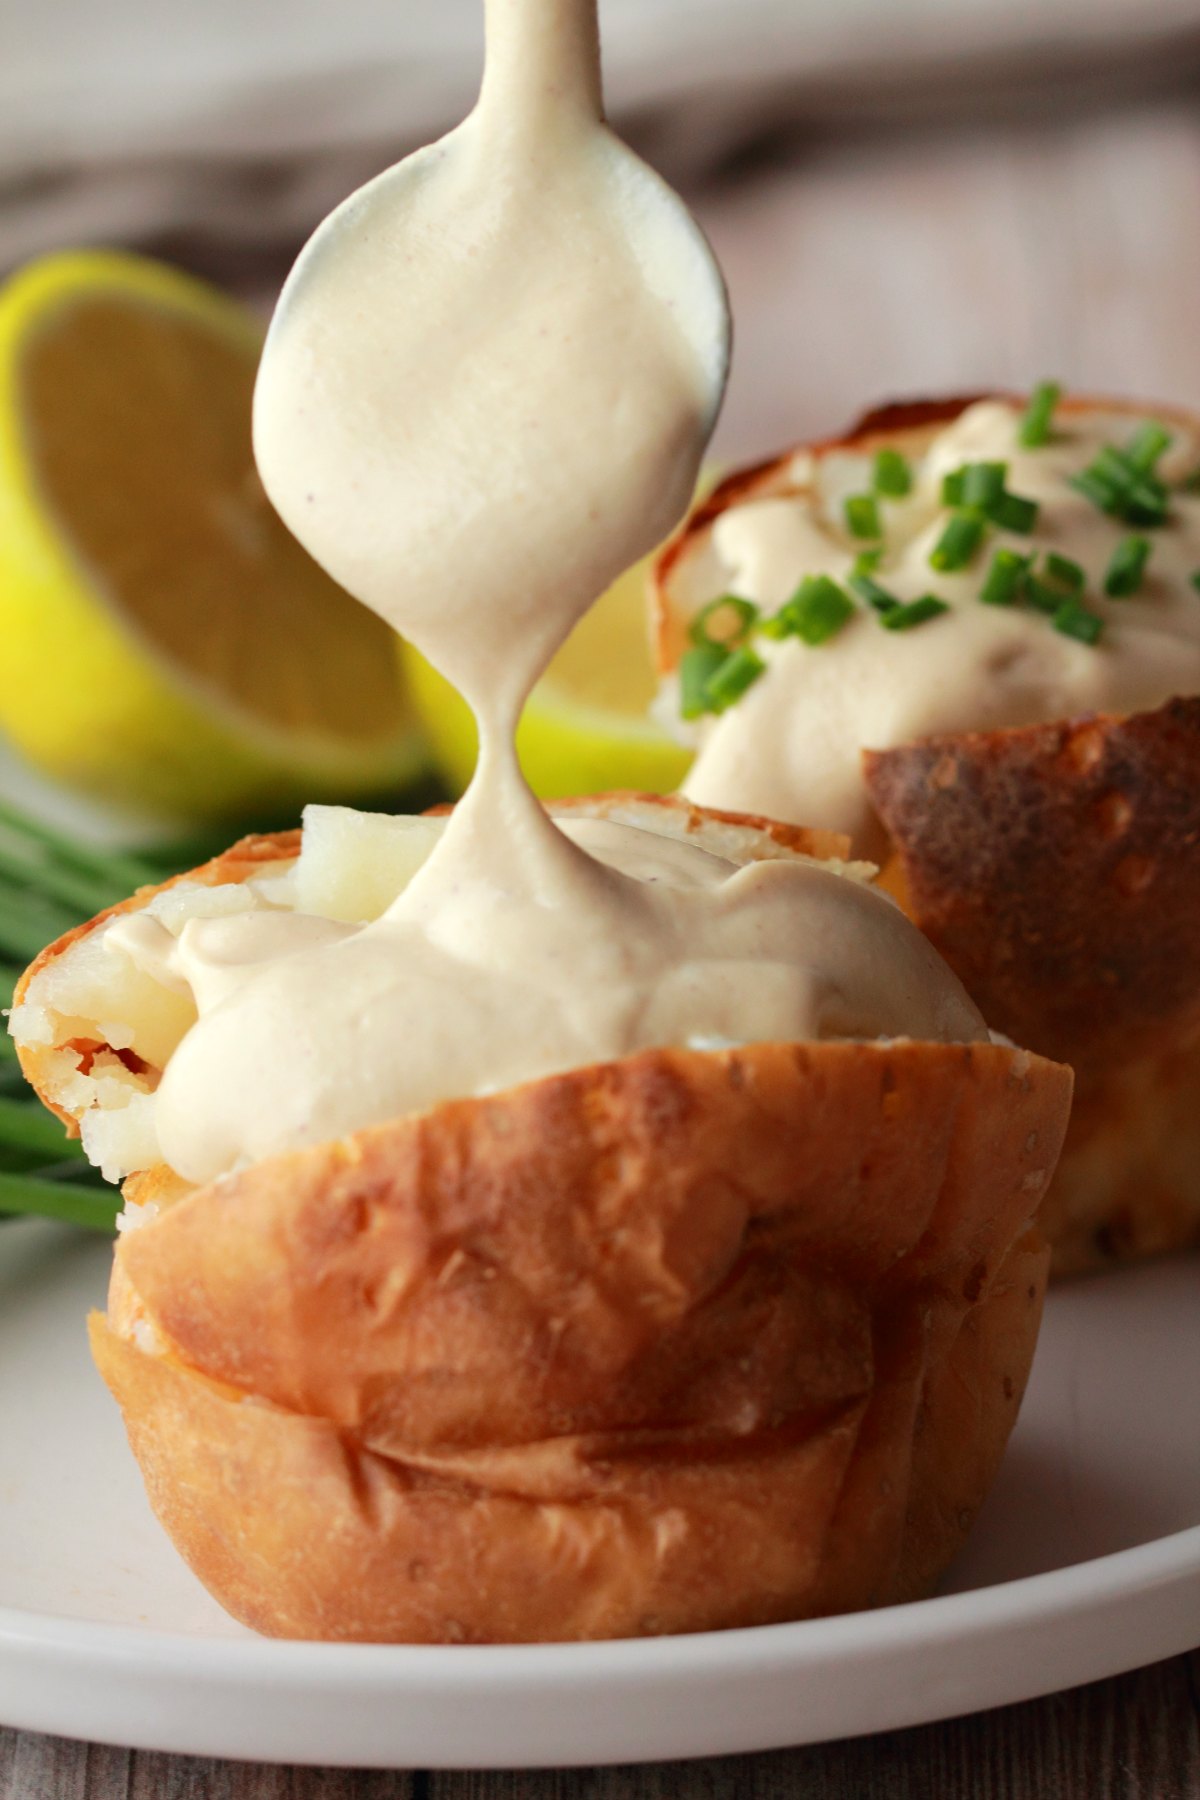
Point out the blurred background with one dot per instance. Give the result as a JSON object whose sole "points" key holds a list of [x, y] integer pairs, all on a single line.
{"points": [[908, 196]]}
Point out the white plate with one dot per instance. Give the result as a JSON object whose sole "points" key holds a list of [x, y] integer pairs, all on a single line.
{"points": [[1086, 1561]]}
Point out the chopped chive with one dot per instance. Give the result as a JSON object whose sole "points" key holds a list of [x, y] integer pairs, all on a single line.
{"points": [[862, 516], [1128, 565], [867, 561], [1117, 486], [983, 483], [1148, 444], [1194, 578], [958, 542], [1040, 595], [743, 612], [815, 613], [868, 589], [696, 668], [738, 672], [891, 475], [1062, 570], [1147, 502], [1075, 620], [1004, 579], [916, 612], [1034, 429], [1013, 513]]}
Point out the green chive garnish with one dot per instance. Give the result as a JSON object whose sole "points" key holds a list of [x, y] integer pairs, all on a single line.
{"points": [[696, 669], [1012, 513], [1077, 621], [958, 542], [1125, 489], [862, 516], [892, 475], [1147, 445], [1034, 429], [1062, 570], [1004, 579], [739, 615], [916, 612], [737, 673], [867, 561], [1040, 595], [1128, 565], [868, 589], [983, 483], [1195, 579], [815, 613]]}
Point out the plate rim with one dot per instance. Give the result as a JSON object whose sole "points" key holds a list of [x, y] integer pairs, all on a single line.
{"points": [[1096, 1581]]}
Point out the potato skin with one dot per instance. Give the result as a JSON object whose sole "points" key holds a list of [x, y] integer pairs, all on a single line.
{"points": [[1057, 869], [683, 1341]]}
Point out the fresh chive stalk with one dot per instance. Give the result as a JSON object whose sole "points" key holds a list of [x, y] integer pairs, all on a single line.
{"points": [[891, 475], [1012, 512], [1127, 567], [1146, 447], [697, 666], [1003, 583], [1075, 620], [1066, 573], [25, 1125], [913, 613], [816, 612], [870, 590], [94, 1208], [739, 671], [862, 516], [958, 542], [739, 616], [983, 483], [1034, 430]]}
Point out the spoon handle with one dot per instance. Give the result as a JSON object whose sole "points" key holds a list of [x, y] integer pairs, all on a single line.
{"points": [[543, 57]]}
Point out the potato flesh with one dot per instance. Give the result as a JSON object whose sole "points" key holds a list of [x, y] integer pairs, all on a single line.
{"points": [[92, 1001]]}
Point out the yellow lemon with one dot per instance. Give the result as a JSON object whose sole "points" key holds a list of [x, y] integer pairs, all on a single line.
{"points": [[585, 728], [163, 637]]}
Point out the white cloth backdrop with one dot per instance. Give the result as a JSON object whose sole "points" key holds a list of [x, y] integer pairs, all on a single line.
{"points": [[239, 118]]}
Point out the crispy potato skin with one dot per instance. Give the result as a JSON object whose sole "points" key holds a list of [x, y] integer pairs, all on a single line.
{"points": [[1057, 869], [684, 1341]]}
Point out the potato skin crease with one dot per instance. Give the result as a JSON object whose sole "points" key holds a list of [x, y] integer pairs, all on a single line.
{"points": [[684, 1341], [1057, 870]]}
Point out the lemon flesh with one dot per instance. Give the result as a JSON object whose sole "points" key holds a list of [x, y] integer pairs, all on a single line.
{"points": [[163, 637], [586, 727]]}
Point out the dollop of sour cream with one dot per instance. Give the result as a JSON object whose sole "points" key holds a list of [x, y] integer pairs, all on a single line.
{"points": [[792, 745]]}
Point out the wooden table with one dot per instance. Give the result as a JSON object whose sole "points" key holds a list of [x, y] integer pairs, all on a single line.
{"points": [[988, 254], [1134, 1738]]}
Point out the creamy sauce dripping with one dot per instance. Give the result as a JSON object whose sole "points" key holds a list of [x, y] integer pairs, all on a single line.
{"points": [[487, 391], [792, 746]]}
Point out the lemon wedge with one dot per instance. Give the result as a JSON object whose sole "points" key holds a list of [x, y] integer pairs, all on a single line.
{"points": [[163, 638], [586, 726]]}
